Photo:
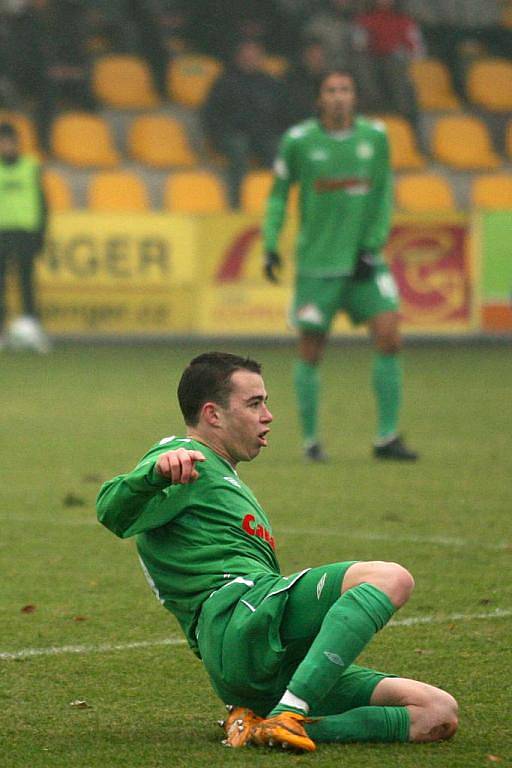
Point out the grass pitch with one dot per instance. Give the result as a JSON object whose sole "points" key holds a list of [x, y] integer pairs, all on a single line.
{"points": [[84, 414]]}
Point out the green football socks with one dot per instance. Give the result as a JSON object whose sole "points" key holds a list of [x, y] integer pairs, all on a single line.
{"points": [[364, 724], [387, 384], [347, 628], [307, 386]]}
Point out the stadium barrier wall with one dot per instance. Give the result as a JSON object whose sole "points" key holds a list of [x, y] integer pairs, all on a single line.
{"points": [[153, 274]]}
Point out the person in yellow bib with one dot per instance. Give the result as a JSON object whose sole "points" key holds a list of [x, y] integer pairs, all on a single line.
{"points": [[23, 216]]}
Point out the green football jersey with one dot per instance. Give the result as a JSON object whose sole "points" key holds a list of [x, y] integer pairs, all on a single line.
{"points": [[192, 539], [345, 194]]}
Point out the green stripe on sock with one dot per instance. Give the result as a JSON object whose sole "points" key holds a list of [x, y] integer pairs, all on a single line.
{"points": [[387, 385], [347, 628], [306, 380], [364, 724]]}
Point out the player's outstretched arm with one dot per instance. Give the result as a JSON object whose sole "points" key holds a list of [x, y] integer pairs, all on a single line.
{"points": [[178, 466], [136, 502]]}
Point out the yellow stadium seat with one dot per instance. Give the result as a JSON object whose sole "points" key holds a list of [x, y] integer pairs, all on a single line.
{"points": [[194, 192], [57, 190], [190, 77], [433, 85], [160, 142], [489, 84], [424, 192], [26, 131], [123, 82], [494, 191], [117, 191], [402, 142], [83, 140], [277, 66], [254, 191], [464, 143]]}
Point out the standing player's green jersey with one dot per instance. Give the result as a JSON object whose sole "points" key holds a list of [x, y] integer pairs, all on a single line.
{"points": [[192, 539], [345, 188]]}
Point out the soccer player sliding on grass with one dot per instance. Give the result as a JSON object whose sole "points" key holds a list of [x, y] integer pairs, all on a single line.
{"points": [[340, 163], [279, 651]]}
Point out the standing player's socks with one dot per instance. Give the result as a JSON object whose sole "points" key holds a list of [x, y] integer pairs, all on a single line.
{"points": [[364, 724], [347, 628], [387, 384], [307, 386]]}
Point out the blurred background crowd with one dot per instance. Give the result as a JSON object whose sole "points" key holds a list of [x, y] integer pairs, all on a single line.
{"points": [[153, 88]]}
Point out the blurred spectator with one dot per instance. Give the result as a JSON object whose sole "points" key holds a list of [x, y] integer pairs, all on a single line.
{"points": [[22, 226], [217, 28], [243, 115], [303, 81], [20, 78], [393, 39], [64, 63], [333, 26], [458, 31], [345, 46]]}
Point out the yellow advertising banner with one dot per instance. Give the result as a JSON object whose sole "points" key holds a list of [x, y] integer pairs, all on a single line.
{"points": [[118, 274], [159, 274], [429, 258]]}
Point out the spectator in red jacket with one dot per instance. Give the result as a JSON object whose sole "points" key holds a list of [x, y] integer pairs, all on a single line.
{"points": [[392, 38]]}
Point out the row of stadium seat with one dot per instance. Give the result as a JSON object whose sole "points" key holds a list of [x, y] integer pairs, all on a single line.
{"points": [[124, 82], [85, 140], [202, 192]]}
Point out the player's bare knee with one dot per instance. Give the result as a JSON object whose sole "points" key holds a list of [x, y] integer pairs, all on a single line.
{"points": [[400, 584], [436, 719], [393, 579]]}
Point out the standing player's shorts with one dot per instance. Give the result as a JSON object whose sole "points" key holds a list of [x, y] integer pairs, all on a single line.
{"points": [[318, 299], [253, 634]]}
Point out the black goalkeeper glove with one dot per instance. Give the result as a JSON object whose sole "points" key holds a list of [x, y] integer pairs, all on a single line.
{"points": [[271, 265], [364, 268]]}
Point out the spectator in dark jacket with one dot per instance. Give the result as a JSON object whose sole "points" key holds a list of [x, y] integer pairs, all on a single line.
{"points": [[303, 81], [243, 115]]}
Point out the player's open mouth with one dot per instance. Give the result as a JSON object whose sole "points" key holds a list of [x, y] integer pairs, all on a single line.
{"points": [[262, 438]]}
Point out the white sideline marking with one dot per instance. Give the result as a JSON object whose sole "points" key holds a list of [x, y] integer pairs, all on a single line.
{"points": [[27, 653], [441, 541], [57, 650]]}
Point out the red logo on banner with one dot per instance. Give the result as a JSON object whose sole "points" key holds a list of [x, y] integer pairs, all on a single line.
{"points": [[430, 266]]}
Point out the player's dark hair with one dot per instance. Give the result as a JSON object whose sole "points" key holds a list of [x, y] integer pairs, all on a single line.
{"points": [[344, 72], [208, 378], [8, 131]]}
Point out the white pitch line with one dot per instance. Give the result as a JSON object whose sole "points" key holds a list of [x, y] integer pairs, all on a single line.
{"points": [[56, 650], [441, 541], [28, 653]]}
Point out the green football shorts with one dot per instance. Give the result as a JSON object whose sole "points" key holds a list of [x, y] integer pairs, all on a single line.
{"points": [[253, 633], [318, 299]]}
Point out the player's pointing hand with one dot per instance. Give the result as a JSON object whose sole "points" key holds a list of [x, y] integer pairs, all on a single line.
{"points": [[179, 466]]}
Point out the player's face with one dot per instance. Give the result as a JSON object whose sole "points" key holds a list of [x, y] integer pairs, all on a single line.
{"points": [[337, 97], [246, 421]]}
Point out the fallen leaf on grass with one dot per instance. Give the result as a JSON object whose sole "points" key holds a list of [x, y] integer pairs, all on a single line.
{"points": [[423, 650], [28, 609], [79, 704], [71, 500], [92, 478], [494, 758], [79, 618]]}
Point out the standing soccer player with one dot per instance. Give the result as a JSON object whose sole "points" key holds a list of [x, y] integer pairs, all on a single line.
{"points": [[340, 162], [279, 650]]}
